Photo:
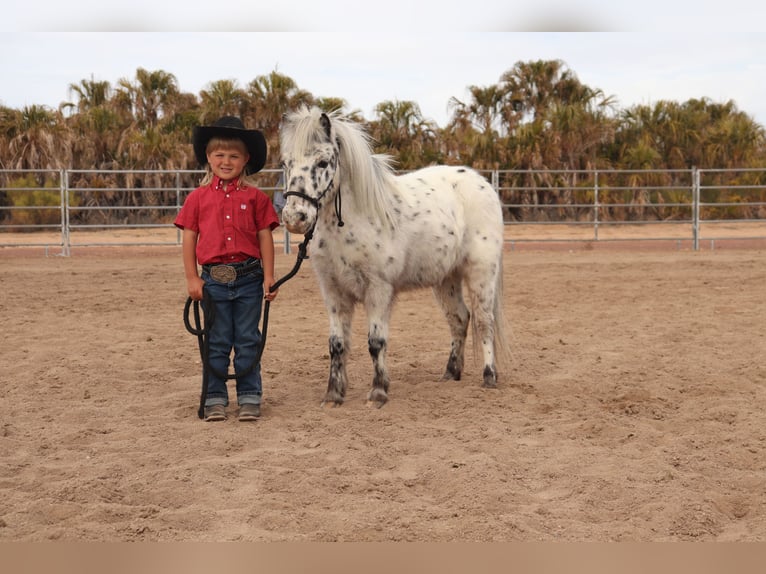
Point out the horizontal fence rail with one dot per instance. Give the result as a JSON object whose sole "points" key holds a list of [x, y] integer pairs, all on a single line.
{"points": [[570, 205]]}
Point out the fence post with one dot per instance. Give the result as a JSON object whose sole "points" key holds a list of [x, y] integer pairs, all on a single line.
{"points": [[695, 208], [178, 205], [286, 245], [595, 206], [65, 239]]}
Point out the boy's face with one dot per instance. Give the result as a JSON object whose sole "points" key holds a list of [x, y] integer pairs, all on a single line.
{"points": [[227, 162]]}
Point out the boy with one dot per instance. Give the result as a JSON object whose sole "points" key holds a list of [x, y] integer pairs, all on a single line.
{"points": [[227, 226]]}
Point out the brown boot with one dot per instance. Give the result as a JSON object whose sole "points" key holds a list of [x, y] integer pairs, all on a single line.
{"points": [[249, 412], [215, 413]]}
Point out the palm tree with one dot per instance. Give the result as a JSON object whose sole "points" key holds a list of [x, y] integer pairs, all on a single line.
{"points": [[546, 92], [531, 87], [732, 139], [94, 124], [331, 104], [222, 98], [37, 139], [457, 136], [269, 97], [585, 123], [401, 131], [486, 139], [8, 126], [90, 94], [553, 122], [151, 95]]}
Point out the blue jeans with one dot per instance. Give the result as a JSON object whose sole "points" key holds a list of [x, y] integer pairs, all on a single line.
{"points": [[235, 326]]}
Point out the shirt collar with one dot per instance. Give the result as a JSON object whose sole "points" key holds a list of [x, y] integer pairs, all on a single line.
{"points": [[234, 184]]}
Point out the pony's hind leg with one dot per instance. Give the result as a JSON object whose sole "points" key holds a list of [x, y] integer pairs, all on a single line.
{"points": [[449, 295], [483, 289]]}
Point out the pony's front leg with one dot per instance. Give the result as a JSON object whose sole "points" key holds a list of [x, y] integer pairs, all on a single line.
{"points": [[378, 306], [340, 344]]}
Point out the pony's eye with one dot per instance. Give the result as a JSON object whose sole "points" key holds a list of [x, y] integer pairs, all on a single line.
{"points": [[322, 164]]}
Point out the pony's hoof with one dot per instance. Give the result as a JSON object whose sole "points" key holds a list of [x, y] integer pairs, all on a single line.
{"points": [[490, 378], [374, 404], [377, 398], [332, 401]]}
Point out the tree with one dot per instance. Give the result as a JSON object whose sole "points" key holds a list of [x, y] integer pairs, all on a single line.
{"points": [[479, 122], [531, 87], [401, 130], [584, 124], [269, 97], [37, 139], [332, 104], [94, 125], [222, 98], [90, 94], [577, 120], [733, 139], [151, 96]]}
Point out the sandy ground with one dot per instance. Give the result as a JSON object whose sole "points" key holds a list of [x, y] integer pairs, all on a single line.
{"points": [[633, 409]]}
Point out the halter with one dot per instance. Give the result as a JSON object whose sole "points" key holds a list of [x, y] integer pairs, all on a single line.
{"points": [[315, 200]]}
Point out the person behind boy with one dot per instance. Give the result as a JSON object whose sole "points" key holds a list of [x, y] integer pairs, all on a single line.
{"points": [[227, 225]]}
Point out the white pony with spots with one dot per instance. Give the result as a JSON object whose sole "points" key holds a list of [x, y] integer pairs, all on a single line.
{"points": [[374, 234]]}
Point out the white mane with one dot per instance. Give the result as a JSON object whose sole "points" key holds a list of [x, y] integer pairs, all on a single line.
{"points": [[369, 177]]}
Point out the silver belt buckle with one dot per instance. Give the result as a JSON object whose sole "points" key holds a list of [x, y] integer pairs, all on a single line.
{"points": [[223, 273]]}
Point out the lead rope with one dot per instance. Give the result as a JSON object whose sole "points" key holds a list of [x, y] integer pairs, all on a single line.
{"points": [[204, 321], [338, 205]]}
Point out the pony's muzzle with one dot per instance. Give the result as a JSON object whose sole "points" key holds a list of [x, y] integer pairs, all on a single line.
{"points": [[297, 219]]}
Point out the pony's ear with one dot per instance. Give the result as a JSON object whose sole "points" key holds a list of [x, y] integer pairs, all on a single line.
{"points": [[325, 122]]}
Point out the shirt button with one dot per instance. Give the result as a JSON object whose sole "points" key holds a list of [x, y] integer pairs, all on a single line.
{"points": [[228, 239], [228, 217]]}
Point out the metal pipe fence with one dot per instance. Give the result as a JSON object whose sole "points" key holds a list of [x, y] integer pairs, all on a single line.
{"points": [[571, 205], [685, 204]]}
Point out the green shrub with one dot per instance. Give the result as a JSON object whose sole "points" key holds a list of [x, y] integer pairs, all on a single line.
{"points": [[32, 203]]}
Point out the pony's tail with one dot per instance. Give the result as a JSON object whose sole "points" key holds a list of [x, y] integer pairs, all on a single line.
{"points": [[501, 345]]}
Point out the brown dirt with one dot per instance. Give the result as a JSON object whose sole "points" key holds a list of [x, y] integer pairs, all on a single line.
{"points": [[633, 409]]}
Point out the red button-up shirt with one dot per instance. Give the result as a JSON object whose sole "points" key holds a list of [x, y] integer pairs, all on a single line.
{"points": [[227, 217]]}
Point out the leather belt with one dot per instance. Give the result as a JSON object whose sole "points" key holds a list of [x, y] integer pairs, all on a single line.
{"points": [[228, 273]]}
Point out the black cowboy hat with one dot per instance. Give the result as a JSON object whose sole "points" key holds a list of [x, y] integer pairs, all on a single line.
{"points": [[231, 127]]}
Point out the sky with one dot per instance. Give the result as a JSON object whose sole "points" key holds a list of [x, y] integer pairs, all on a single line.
{"points": [[427, 52]]}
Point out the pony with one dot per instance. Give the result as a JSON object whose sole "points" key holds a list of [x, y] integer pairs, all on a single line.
{"points": [[374, 233]]}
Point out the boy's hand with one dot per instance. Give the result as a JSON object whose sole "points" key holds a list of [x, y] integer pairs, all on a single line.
{"points": [[268, 294], [194, 285]]}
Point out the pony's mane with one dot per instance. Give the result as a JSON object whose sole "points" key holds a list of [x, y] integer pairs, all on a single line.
{"points": [[368, 176]]}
